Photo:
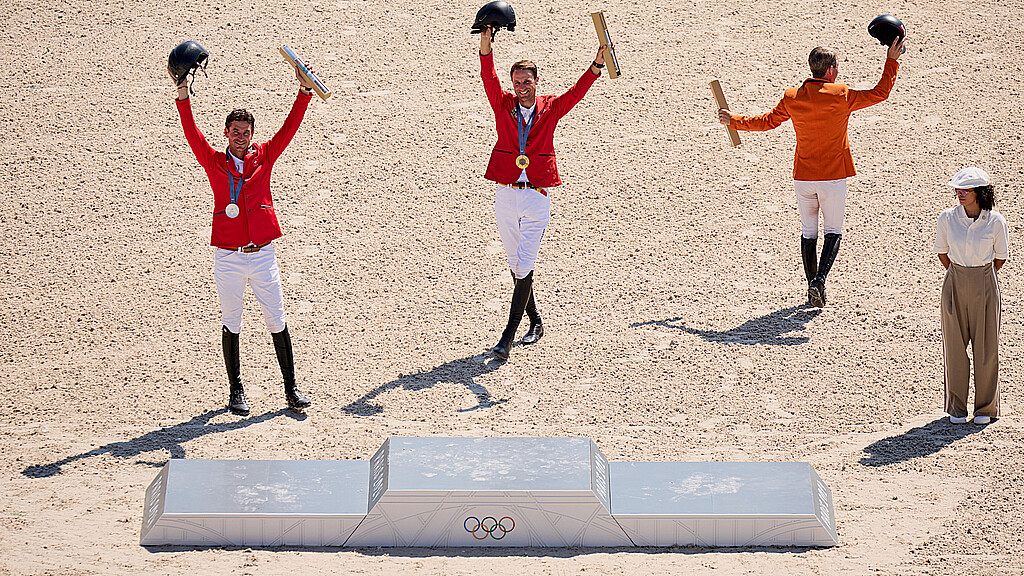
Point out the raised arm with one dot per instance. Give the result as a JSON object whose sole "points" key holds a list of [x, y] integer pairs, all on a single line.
{"points": [[280, 140], [598, 63], [860, 99], [561, 105], [305, 86], [201, 149], [182, 88], [485, 41], [492, 86]]}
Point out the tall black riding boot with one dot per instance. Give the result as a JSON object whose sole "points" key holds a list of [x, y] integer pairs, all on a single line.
{"points": [[236, 400], [808, 252], [829, 251], [536, 327], [283, 346], [520, 296]]}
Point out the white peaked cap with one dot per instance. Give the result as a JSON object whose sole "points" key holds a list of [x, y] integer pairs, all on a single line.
{"points": [[970, 177]]}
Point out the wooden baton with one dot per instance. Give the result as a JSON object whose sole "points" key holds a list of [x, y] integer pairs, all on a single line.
{"points": [[716, 89]]}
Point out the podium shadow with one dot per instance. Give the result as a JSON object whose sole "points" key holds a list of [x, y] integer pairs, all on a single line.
{"points": [[917, 442], [170, 439], [462, 371], [770, 329]]}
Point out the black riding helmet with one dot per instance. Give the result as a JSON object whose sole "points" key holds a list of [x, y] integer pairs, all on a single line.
{"points": [[498, 14], [887, 29], [185, 58]]}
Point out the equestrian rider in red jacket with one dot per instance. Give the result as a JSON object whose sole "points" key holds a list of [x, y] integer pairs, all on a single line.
{"points": [[523, 165], [244, 226]]}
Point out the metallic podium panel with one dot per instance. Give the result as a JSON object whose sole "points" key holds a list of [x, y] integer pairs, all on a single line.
{"points": [[722, 504], [255, 502], [489, 492]]}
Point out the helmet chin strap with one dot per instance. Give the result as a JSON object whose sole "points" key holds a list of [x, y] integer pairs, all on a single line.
{"points": [[193, 73]]}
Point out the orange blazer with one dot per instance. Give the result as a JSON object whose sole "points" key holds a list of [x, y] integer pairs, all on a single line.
{"points": [[821, 112]]}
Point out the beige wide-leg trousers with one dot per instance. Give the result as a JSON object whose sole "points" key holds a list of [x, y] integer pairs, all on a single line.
{"points": [[969, 312]]}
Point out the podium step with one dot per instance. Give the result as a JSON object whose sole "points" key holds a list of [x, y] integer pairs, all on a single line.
{"points": [[255, 502], [722, 504]]}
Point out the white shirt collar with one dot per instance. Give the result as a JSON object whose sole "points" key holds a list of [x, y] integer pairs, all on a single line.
{"points": [[239, 162]]}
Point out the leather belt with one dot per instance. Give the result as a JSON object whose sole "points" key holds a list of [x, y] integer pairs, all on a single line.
{"points": [[522, 185], [247, 249]]}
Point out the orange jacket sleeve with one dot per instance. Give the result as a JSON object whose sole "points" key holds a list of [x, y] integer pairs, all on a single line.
{"points": [[768, 121]]}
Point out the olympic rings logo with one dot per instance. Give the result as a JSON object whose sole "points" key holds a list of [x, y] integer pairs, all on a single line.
{"points": [[488, 528]]}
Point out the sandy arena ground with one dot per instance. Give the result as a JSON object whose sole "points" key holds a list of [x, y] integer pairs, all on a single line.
{"points": [[669, 277]]}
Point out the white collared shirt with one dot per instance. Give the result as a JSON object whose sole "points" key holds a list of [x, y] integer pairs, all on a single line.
{"points": [[972, 242]]}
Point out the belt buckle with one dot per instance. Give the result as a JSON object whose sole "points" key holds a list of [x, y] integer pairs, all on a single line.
{"points": [[249, 248]]}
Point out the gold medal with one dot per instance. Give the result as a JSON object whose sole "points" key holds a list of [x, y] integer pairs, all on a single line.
{"points": [[522, 161]]}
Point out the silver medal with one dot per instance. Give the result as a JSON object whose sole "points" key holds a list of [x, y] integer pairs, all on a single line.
{"points": [[231, 211]]}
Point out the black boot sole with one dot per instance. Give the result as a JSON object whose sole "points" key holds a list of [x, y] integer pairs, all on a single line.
{"points": [[238, 411]]}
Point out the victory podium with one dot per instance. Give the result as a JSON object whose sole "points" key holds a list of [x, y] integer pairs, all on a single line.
{"points": [[461, 492]]}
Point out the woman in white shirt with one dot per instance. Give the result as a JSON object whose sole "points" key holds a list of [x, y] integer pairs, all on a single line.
{"points": [[972, 242]]}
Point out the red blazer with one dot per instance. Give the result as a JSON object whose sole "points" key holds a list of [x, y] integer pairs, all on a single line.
{"points": [[256, 221], [821, 113], [540, 146]]}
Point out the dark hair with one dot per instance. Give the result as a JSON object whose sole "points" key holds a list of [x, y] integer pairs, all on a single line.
{"points": [[240, 115], [820, 60], [524, 65], [986, 196]]}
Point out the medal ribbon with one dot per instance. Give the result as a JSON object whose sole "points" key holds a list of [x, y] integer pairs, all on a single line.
{"points": [[524, 129], [235, 192]]}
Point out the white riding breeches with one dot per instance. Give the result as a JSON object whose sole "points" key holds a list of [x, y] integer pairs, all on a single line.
{"points": [[522, 215], [233, 270], [826, 196]]}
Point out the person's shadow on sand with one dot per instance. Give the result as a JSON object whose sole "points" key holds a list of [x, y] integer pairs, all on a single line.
{"points": [[917, 442], [170, 438], [768, 329], [461, 371]]}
